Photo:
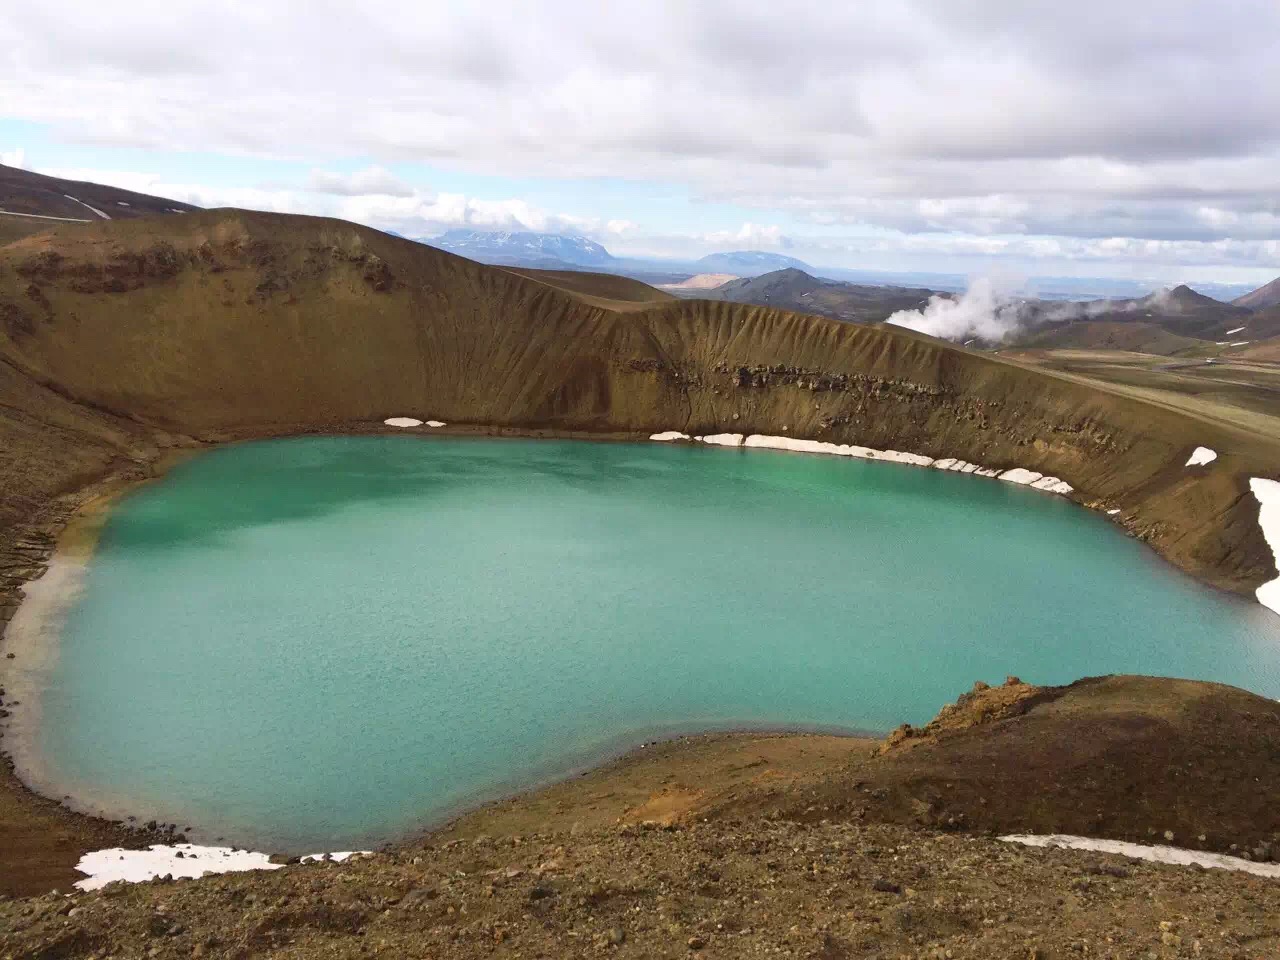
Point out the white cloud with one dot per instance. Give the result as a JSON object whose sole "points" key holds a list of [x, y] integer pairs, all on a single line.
{"points": [[1154, 119], [371, 196], [970, 123], [422, 213], [749, 236], [371, 180], [13, 158]]}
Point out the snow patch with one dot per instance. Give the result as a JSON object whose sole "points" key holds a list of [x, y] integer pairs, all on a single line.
{"points": [[669, 435], [1236, 330], [178, 860], [896, 456], [41, 216], [1112, 513], [1268, 494], [1200, 456], [722, 439], [121, 203], [1242, 343], [1156, 854], [1051, 484], [403, 422], [436, 423], [104, 216], [1019, 475]]}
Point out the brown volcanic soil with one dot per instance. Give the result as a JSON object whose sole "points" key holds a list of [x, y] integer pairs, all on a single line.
{"points": [[722, 889], [121, 341], [598, 289], [1236, 389], [1135, 336], [1129, 758], [752, 846]]}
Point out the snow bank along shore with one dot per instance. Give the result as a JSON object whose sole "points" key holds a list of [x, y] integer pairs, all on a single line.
{"points": [[1157, 854], [411, 422], [1018, 475], [178, 860], [1268, 494]]}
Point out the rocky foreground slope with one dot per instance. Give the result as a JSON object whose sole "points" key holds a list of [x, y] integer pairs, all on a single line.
{"points": [[723, 889]]}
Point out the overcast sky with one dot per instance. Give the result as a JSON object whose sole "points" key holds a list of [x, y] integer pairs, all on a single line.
{"points": [[1098, 137]]}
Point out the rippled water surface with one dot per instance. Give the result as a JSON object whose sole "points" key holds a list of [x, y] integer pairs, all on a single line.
{"points": [[324, 642]]}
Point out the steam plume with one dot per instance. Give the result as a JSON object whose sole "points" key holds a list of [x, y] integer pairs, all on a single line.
{"points": [[982, 312], [987, 311]]}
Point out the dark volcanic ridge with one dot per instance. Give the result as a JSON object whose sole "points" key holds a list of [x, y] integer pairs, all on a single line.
{"points": [[30, 202], [1268, 295]]}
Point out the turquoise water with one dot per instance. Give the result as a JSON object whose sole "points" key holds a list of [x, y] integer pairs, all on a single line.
{"points": [[320, 643]]}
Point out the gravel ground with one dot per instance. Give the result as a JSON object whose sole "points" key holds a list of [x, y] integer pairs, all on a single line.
{"points": [[717, 889]]}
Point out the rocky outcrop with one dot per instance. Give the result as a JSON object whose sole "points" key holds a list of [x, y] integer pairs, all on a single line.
{"points": [[982, 705]]}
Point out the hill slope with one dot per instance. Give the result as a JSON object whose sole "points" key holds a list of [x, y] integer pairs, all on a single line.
{"points": [[1265, 296], [26, 197], [792, 289], [1137, 336], [596, 288], [1167, 322]]}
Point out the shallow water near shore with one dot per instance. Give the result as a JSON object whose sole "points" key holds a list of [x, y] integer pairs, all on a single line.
{"points": [[322, 643]]}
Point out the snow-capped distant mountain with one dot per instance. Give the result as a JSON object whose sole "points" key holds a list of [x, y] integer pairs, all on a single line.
{"points": [[522, 247], [749, 263]]}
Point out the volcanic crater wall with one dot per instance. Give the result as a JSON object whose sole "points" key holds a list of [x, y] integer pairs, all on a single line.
{"points": [[120, 339]]}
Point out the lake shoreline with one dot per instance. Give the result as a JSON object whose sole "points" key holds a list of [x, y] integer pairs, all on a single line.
{"points": [[75, 532]]}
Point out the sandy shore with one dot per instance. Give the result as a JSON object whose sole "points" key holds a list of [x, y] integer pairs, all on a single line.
{"points": [[32, 640]]}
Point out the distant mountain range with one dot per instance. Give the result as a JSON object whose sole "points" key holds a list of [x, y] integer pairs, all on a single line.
{"points": [[1167, 322], [555, 251], [748, 263], [524, 248]]}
